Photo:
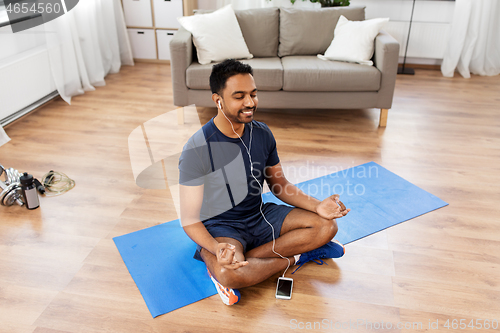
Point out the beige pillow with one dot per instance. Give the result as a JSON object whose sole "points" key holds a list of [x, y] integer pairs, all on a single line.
{"points": [[310, 31], [260, 28]]}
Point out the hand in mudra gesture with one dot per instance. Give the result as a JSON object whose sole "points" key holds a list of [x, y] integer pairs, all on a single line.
{"points": [[332, 208], [226, 256]]}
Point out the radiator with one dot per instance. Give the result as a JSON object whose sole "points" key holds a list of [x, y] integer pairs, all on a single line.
{"points": [[24, 80]]}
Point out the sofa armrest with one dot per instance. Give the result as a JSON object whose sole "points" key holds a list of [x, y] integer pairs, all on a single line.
{"points": [[386, 60], [181, 56]]}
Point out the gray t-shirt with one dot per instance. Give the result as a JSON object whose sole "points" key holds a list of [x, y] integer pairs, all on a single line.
{"points": [[222, 165]]}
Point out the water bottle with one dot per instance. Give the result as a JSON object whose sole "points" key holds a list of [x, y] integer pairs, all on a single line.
{"points": [[29, 191]]}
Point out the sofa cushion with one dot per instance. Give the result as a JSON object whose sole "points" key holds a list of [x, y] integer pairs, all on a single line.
{"points": [[309, 73], [354, 41], [310, 31], [260, 28], [267, 72]]}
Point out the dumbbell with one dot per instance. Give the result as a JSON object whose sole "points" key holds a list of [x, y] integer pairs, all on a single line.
{"points": [[10, 192]]}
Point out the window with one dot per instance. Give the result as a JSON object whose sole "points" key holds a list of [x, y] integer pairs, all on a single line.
{"points": [[4, 19]]}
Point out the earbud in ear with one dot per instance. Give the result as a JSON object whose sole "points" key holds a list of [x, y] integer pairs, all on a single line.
{"points": [[220, 107]]}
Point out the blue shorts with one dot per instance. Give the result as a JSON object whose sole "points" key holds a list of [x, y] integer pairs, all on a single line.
{"points": [[251, 232]]}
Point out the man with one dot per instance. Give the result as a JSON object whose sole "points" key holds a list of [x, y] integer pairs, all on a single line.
{"points": [[222, 171]]}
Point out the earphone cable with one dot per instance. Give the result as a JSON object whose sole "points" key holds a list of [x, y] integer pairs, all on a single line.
{"points": [[261, 189], [57, 183]]}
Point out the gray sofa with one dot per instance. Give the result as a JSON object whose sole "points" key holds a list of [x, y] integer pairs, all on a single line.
{"points": [[288, 74]]}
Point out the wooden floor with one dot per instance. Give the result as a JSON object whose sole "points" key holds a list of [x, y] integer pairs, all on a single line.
{"points": [[61, 272]]}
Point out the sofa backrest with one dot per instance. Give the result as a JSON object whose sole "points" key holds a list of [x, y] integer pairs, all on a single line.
{"points": [[310, 31], [260, 29], [283, 31]]}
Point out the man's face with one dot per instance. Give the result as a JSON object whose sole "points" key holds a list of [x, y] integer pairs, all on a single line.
{"points": [[239, 98]]}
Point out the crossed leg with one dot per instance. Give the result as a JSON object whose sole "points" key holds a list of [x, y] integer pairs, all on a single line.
{"points": [[301, 231]]}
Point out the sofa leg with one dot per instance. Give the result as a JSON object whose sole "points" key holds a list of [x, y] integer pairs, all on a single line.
{"points": [[383, 117], [180, 116]]}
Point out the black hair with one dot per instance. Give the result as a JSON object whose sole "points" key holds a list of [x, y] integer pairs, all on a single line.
{"points": [[223, 71]]}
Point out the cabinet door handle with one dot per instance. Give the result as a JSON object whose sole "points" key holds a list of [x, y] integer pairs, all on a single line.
{"points": [[140, 32], [170, 33]]}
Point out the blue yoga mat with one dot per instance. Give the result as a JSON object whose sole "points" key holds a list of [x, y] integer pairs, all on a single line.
{"points": [[160, 258]]}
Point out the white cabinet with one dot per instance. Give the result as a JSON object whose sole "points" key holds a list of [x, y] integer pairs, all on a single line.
{"points": [[138, 13], [166, 13], [163, 38], [143, 43], [152, 24]]}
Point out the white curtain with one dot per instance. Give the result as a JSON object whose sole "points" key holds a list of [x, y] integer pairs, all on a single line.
{"points": [[4, 138], [86, 44], [474, 45]]}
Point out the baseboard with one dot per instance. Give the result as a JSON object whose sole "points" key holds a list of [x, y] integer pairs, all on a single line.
{"points": [[422, 66], [153, 61], [15, 117]]}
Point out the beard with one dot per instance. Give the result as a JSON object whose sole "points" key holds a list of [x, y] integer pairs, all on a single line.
{"points": [[243, 118]]}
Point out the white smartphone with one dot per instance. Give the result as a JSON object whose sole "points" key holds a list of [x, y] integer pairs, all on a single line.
{"points": [[284, 288]]}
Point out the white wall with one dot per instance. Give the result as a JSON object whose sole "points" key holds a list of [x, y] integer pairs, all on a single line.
{"points": [[429, 31], [207, 4], [430, 27], [244, 4]]}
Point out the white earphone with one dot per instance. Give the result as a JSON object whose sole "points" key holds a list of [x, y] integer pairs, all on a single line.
{"points": [[251, 172]]}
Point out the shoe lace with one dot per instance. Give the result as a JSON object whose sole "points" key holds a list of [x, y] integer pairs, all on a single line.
{"points": [[317, 261]]}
